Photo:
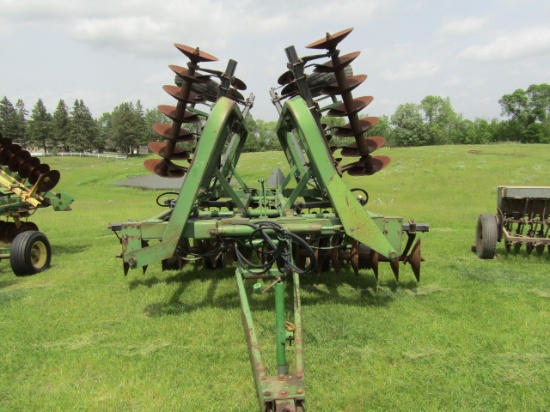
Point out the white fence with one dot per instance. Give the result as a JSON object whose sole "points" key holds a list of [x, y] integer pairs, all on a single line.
{"points": [[84, 154]]}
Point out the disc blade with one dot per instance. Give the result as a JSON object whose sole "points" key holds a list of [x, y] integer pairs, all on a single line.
{"points": [[36, 172], [176, 93], [171, 112], [195, 54], [48, 180], [164, 168], [235, 95], [365, 123], [18, 159], [372, 142], [5, 141], [415, 259], [330, 67], [160, 148], [358, 104], [289, 89], [330, 41], [367, 166], [238, 84], [352, 83], [186, 75], [395, 268], [27, 166], [165, 130], [374, 263], [285, 78], [8, 152]]}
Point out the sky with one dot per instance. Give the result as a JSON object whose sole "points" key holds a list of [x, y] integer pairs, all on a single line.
{"points": [[110, 52]]}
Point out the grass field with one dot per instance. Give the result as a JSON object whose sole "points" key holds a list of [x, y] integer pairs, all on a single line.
{"points": [[472, 335]]}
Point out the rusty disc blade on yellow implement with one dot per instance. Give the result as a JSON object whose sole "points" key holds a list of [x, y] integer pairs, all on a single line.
{"points": [[18, 159], [38, 171], [48, 180]]}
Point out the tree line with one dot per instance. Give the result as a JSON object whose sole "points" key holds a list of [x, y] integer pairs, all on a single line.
{"points": [[127, 129]]}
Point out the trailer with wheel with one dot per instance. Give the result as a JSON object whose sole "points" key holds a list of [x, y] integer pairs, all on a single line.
{"points": [[25, 187], [523, 218]]}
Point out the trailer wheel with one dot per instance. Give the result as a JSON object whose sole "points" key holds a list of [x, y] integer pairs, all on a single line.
{"points": [[30, 253], [486, 236]]}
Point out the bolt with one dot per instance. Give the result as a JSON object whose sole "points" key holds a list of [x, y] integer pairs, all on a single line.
{"points": [[300, 391], [267, 393], [283, 393], [281, 377]]}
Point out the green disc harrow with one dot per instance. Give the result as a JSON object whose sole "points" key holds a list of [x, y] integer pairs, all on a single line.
{"points": [[307, 221]]}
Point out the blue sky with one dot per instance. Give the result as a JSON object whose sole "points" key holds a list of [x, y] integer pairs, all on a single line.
{"points": [[109, 52]]}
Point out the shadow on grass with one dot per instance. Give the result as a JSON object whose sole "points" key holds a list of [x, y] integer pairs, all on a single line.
{"points": [[345, 288], [68, 250]]}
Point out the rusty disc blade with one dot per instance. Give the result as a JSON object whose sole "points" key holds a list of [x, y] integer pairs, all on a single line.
{"points": [[48, 180], [165, 131], [330, 67], [235, 95], [289, 89], [238, 84], [373, 143], [352, 83], [415, 259], [367, 166], [164, 168], [374, 263], [18, 159], [358, 104], [27, 166], [330, 41], [285, 78], [365, 123], [354, 257], [395, 268], [177, 93], [195, 54], [171, 112], [8, 152], [190, 77], [160, 148], [38, 171], [5, 141]]}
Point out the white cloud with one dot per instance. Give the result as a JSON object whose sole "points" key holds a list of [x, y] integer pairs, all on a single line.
{"points": [[524, 43], [464, 26], [415, 70]]}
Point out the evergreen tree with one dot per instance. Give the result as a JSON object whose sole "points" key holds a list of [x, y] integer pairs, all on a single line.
{"points": [[60, 128], [21, 125], [84, 132], [40, 126], [8, 119]]}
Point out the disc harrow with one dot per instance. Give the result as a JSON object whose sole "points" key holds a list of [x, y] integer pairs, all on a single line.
{"points": [[305, 223], [25, 186], [523, 218]]}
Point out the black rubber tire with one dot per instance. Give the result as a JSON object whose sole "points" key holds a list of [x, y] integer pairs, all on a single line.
{"points": [[486, 236], [30, 253]]}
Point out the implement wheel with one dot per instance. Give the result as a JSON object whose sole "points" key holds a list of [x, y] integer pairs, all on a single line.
{"points": [[30, 253], [486, 236]]}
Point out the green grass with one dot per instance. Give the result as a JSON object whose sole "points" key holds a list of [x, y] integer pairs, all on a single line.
{"points": [[472, 335]]}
